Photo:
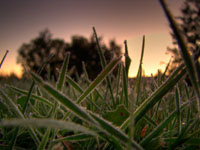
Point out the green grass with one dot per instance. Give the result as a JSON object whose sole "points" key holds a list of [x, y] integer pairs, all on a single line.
{"points": [[111, 112]]}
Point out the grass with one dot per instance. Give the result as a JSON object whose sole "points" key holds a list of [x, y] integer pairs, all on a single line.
{"points": [[162, 113]]}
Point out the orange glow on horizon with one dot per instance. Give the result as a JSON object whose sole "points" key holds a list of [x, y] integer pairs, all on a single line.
{"points": [[154, 54], [9, 70], [10, 66]]}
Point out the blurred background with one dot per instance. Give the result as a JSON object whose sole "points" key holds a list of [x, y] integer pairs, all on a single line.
{"points": [[31, 30]]}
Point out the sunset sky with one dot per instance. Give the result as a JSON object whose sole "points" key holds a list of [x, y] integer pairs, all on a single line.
{"points": [[22, 20]]}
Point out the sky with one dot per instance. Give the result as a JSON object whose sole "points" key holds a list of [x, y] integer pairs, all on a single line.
{"points": [[22, 20]]}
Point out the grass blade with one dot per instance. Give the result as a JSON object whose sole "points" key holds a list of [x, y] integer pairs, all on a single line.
{"points": [[139, 74], [3, 58], [80, 90], [33, 83], [74, 84], [61, 79], [158, 129], [59, 85], [127, 59], [97, 81], [118, 82], [103, 63], [39, 98], [44, 141], [184, 50], [102, 57], [76, 137], [99, 78], [125, 86], [166, 69], [47, 123]]}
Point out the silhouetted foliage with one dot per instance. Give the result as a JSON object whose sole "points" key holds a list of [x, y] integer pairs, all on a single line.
{"points": [[82, 50], [189, 22]]}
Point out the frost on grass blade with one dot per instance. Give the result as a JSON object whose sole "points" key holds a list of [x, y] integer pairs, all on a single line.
{"points": [[67, 102], [11, 105], [47, 123], [33, 96], [115, 132], [61, 78]]}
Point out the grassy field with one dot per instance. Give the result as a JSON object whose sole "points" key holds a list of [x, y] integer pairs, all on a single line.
{"points": [[107, 113]]}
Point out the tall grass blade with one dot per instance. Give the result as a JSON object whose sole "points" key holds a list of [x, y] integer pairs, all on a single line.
{"points": [[101, 55], [139, 74], [3, 58], [85, 70], [158, 129], [103, 63], [62, 78], [178, 110], [165, 72], [184, 51], [125, 86], [127, 59]]}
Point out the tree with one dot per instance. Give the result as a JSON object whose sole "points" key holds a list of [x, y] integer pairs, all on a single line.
{"points": [[189, 22], [82, 50]]}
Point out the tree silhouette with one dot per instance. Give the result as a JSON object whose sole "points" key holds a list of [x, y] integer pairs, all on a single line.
{"points": [[82, 50], [189, 22]]}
